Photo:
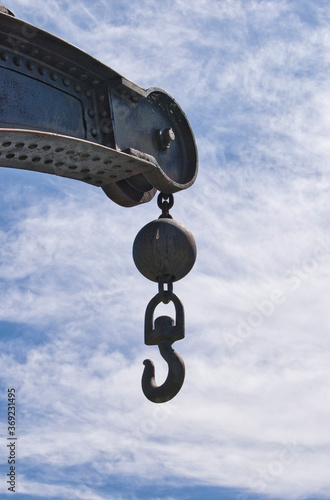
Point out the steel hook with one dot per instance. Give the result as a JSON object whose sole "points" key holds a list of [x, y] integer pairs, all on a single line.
{"points": [[174, 380]]}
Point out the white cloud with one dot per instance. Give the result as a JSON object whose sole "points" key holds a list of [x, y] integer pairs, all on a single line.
{"points": [[253, 412]]}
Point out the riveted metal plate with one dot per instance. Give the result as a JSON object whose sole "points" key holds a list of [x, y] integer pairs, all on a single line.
{"points": [[68, 157], [48, 86]]}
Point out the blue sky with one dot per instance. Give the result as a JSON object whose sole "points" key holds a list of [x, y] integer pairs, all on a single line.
{"points": [[252, 419]]}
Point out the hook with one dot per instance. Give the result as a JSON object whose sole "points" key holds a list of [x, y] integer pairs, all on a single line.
{"points": [[163, 332], [174, 380]]}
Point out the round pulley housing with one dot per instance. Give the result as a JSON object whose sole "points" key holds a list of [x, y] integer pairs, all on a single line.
{"points": [[164, 247]]}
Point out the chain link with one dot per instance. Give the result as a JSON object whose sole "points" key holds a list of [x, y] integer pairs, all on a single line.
{"points": [[165, 295], [165, 203]]}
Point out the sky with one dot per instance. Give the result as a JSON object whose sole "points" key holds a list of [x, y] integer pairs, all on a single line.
{"points": [[252, 419]]}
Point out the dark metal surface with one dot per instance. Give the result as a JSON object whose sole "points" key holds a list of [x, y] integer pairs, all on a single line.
{"points": [[165, 203], [164, 251], [164, 246], [64, 113], [163, 329], [67, 157], [163, 332], [48, 85], [174, 380]]}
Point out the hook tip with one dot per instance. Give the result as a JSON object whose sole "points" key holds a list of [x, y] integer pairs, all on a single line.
{"points": [[148, 362], [174, 381], [149, 371]]}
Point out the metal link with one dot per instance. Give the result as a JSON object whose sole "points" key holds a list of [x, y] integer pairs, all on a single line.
{"points": [[163, 331], [163, 328], [165, 205], [165, 295]]}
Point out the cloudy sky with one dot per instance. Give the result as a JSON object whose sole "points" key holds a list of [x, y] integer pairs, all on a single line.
{"points": [[252, 419]]}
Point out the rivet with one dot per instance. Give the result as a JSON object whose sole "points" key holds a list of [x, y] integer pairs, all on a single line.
{"points": [[54, 76], [101, 98], [165, 137], [83, 77], [88, 93], [91, 113], [30, 65], [4, 56], [66, 82], [17, 61], [42, 71], [77, 88], [104, 114], [94, 132]]}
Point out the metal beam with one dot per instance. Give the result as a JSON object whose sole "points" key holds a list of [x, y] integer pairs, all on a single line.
{"points": [[86, 121]]}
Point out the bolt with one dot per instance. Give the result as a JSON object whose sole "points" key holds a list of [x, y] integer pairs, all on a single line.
{"points": [[165, 136]]}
